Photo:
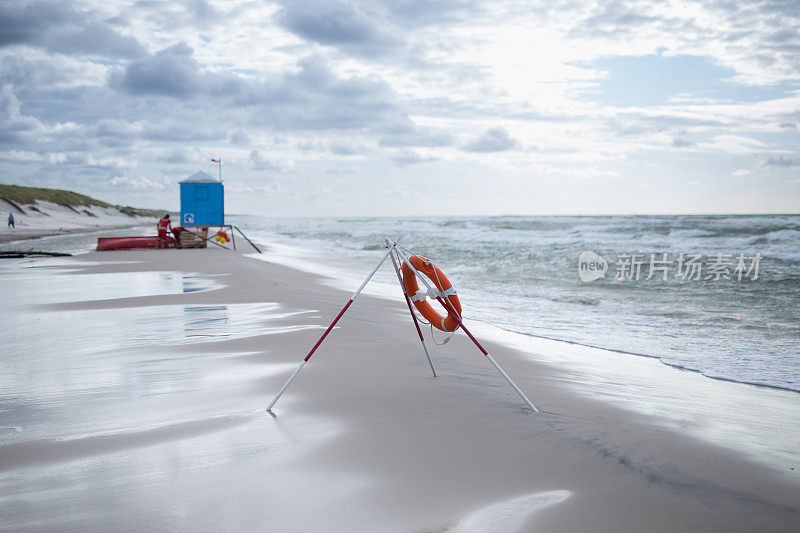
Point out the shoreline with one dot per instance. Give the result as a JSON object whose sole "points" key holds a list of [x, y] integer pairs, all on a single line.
{"points": [[656, 358], [7, 237], [388, 435], [617, 366], [297, 257], [521, 274]]}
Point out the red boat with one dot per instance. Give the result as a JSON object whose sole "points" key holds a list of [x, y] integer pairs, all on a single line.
{"points": [[120, 243]]}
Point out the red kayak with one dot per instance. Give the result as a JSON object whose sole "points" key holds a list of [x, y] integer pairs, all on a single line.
{"points": [[120, 243]]}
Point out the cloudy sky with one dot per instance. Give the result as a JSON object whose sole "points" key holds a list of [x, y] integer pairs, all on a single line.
{"points": [[356, 107]]}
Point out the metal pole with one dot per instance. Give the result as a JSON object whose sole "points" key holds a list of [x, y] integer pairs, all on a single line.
{"points": [[245, 238], [335, 320], [233, 237], [452, 313], [410, 310], [422, 278]]}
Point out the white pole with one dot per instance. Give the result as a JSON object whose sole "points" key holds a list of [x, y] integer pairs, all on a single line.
{"points": [[410, 310], [445, 303], [511, 382], [286, 385], [219, 163], [374, 270], [330, 327]]}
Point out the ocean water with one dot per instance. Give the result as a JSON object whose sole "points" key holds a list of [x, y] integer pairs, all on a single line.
{"points": [[738, 319]]}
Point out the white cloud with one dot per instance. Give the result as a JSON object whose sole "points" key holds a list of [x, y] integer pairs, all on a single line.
{"points": [[783, 161], [359, 93], [411, 157], [20, 156], [139, 183], [734, 144], [261, 162], [492, 140]]}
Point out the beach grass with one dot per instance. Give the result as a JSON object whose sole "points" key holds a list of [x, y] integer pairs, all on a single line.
{"points": [[25, 198]]}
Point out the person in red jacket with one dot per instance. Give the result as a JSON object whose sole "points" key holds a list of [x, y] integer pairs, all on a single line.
{"points": [[163, 226]]}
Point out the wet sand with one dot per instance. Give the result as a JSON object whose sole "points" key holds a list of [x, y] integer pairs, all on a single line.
{"points": [[134, 387], [24, 234]]}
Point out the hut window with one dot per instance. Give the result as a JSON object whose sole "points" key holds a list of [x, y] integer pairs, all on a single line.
{"points": [[201, 193]]}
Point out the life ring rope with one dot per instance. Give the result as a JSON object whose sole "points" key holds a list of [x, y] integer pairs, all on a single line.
{"points": [[422, 320], [422, 294]]}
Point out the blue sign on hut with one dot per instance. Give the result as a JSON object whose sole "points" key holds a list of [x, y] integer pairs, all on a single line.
{"points": [[202, 201]]}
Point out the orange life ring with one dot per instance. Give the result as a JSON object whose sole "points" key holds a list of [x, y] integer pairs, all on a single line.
{"points": [[424, 266]]}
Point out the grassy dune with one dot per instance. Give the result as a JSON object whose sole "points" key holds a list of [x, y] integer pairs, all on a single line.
{"points": [[25, 198]]}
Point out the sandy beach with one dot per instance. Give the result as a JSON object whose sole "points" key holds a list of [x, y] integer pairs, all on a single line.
{"points": [[609, 189], [134, 388], [48, 219], [13, 236]]}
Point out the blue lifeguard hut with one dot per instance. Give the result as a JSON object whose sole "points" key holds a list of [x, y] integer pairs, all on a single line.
{"points": [[202, 201], [203, 206]]}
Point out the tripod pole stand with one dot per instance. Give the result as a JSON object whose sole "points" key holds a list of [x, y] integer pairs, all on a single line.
{"points": [[452, 313]]}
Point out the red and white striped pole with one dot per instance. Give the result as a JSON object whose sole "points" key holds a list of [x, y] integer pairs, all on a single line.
{"points": [[413, 316], [335, 320], [452, 313]]}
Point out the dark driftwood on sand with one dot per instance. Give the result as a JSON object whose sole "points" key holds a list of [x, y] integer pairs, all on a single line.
{"points": [[15, 254]]}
